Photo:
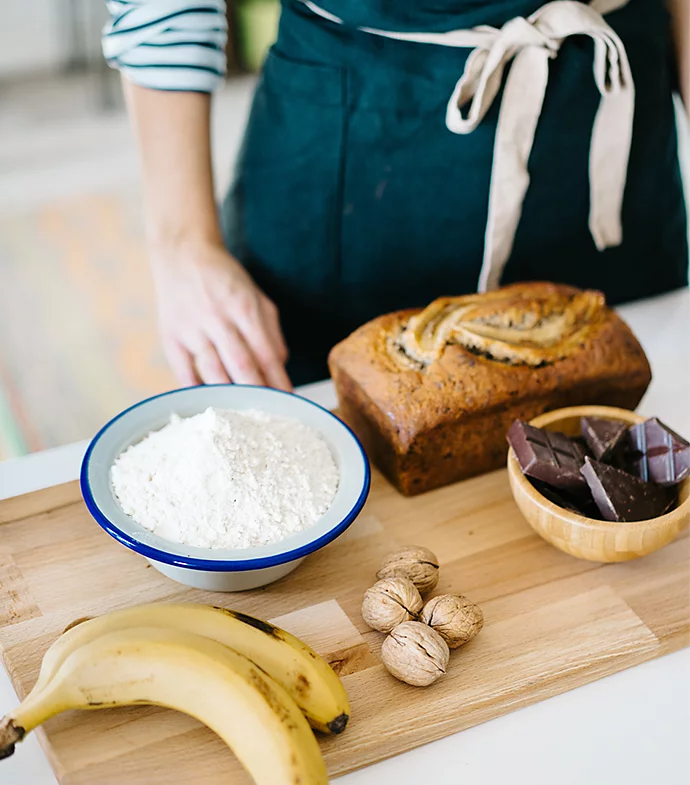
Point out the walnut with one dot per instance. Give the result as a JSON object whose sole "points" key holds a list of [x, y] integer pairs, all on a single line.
{"points": [[415, 654], [390, 602], [455, 618], [418, 564]]}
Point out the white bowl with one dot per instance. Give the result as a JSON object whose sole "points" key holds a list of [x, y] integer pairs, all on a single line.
{"points": [[206, 568]]}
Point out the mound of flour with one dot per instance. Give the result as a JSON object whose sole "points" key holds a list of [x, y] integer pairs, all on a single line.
{"points": [[225, 479]]}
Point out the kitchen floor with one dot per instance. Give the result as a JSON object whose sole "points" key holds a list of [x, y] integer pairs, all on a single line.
{"points": [[77, 327]]}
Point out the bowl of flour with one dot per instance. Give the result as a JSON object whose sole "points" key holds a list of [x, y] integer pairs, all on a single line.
{"points": [[225, 487]]}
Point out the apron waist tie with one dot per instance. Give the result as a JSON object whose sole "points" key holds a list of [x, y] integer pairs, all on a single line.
{"points": [[530, 43]]}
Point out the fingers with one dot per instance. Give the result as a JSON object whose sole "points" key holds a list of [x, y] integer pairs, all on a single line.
{"points": [[218, 327], [276, 371], [226, 355], [208, 364], [236, 356], [275, 334], [257, 319], [276, 376], [180, 360], [269, 347]]}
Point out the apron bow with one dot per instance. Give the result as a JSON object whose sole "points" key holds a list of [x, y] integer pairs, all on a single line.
{"points": [[528, 43]]}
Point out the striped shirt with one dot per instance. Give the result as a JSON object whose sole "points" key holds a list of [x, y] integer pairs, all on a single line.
{"points": [[168, 44]]}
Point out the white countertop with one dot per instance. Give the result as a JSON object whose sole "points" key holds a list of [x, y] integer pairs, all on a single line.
{"points": [[632, 728]]}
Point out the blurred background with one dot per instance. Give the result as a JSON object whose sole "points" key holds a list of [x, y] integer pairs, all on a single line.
{"points": [[78, 337]]}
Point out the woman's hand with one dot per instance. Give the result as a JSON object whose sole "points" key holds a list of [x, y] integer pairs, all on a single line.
{"points": [[216, 324]]}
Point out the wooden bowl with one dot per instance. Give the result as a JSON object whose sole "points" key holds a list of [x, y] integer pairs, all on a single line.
{"points": [[600, 541]]}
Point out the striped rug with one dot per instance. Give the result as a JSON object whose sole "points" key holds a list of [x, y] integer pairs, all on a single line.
{"points": [[78, 341]]}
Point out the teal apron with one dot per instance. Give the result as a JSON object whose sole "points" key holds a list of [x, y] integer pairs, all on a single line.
{"points": [[352, 197]]}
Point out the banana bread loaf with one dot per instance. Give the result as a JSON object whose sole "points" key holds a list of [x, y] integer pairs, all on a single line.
{"points": [[432, 393]]}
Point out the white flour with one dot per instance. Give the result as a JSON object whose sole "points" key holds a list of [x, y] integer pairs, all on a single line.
{"points": [[225, 479]]}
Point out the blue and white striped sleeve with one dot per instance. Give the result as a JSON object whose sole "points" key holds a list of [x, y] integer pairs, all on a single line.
{"points": [[168, 44]]}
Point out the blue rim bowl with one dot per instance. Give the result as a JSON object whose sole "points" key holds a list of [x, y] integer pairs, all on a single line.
{"points": [[149, 415]]}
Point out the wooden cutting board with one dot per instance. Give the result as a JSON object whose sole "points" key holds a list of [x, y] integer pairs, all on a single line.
{"points": [[552, 623]]}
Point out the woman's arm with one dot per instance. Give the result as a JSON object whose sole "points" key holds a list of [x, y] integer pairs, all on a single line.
{"points": [[680, 12], [173, 134], [216, 325]]}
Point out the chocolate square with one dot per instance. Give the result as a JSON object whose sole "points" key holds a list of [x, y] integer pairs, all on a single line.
{"points": [[623, 497], [549, 456], [660, 455], [580, 503], [603, 436]]}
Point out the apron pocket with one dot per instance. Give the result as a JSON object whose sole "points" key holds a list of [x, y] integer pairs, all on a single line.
{"points": [[290, 176]]}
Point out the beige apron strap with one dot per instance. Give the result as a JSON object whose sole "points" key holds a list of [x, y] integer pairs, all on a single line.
{"points": [[611, 140], [607, 6], [517, 122], [529, 44], [462, 39]]}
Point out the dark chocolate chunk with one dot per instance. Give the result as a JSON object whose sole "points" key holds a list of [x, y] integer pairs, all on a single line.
{"points": [[549, 456], [624, 456], [580, 440], [660, 454], [582, 503], [602, 436], [623, 497]]}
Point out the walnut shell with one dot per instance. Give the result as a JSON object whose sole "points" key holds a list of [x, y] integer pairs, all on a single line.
{"points": [[415, 654], [418, 564], [390, 602], [455, 618]]}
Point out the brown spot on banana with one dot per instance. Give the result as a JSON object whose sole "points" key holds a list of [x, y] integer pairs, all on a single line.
{"points": [[258, 624], [302, 685], [262, 685]]}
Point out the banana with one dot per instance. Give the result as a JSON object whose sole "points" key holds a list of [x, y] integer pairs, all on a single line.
{"points": [[306, 676], [253, 714]]}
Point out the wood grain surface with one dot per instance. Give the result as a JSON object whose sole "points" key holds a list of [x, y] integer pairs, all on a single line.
{"points": [[553, 623]]}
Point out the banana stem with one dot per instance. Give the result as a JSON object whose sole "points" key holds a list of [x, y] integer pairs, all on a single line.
{"points": [[10, 734]]}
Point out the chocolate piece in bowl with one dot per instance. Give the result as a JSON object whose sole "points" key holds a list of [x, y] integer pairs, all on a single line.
{"points": [[580, 503], [603, 437], [623, 497], [549, 456], [660, 454]]}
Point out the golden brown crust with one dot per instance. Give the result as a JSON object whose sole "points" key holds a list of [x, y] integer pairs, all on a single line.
{"points": [[524, 326], [430, 424]]}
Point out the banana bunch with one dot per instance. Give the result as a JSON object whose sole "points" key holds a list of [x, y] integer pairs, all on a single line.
{"points": [[257, 686]]}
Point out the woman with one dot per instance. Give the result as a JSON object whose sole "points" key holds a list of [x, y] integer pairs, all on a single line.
{"points": [[396, 152]]}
